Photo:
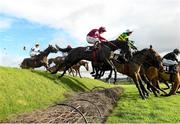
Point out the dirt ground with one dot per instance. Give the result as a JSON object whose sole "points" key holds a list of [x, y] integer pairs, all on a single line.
{"points": [[89, 107]]}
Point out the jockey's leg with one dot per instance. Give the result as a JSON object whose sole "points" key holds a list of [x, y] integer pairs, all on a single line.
{"points": [[129, 53]]}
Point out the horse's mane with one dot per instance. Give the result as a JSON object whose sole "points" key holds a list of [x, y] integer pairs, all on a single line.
{"points": [[140, 52]]}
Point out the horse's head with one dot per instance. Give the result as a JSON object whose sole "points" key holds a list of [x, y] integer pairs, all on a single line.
{"points": [[85, 64], [153, 58], [52, 49]]}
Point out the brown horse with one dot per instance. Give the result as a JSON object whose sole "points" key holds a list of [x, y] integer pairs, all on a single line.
{"points": [[39, 60], [154, 75], [132, 68], [77, 66]]}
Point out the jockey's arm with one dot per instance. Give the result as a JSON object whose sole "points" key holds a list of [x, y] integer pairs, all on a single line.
{"points": [[102, 39]]}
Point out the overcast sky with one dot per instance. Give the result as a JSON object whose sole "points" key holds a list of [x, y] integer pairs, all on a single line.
{"points": [[25, 22]]}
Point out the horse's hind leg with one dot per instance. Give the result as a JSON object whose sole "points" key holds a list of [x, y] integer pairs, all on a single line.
{"points": [[175, 86], [66, 68], [63, 73]]}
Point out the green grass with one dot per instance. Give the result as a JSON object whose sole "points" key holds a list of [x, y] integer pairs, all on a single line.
{"points": [[132, 109], [24, 90]]}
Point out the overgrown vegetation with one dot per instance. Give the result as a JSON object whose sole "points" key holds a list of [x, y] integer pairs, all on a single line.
{"points": [[25, 90]]}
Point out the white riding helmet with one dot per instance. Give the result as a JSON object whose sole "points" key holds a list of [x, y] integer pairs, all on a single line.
{"points": [[129, 31], [37, 44]]}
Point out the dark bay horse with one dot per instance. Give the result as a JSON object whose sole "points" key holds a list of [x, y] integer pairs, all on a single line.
{"points": [[56, 60], [101, 55], [132, 68], [59, 60], [39, 60]]}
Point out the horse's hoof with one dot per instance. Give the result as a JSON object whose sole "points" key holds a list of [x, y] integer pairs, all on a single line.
{"points": [[143, 98], [166, 95], [59, 77]]}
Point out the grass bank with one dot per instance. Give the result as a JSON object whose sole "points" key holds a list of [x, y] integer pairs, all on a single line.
{"points": [[132, 109], [24, 90]]}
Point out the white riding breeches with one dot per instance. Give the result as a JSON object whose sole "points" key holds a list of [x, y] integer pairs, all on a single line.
{"points": [[91, 40], [168, 62]]}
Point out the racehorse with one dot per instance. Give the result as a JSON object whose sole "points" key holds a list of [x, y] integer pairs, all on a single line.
{"points": [[38, 60], [59, 60], [132, 68], [154, 75], [77, 66], [56, 61], [100, 55]]}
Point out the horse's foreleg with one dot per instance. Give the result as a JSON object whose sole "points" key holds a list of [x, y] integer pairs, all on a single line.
{"points": [[93, 68], [115, 75], [175, 86], [96, 76], [144, 91], [112, 68], [46, 66], [63, 73], [109, 76], [135, 79], [79, 73], [156, 85], [65, 69], [150, 87], [166, 83]]}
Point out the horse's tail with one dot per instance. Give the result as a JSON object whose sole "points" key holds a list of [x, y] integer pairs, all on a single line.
{"points": [[63, 50], [22, 65]]}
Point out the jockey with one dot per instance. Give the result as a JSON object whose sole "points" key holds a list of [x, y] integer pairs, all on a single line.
{"points": [[124, 37], [94, 36], [171, 60], [35, 50]]}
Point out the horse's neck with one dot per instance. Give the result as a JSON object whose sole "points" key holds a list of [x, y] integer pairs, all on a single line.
{"points": [[121, 68], [45, 53], [138, 59]]}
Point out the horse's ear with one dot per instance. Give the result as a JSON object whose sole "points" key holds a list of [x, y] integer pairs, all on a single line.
{"points": [[150, 46]]}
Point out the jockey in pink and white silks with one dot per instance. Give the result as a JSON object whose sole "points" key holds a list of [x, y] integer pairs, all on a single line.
{"points": [[94, 36]]}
